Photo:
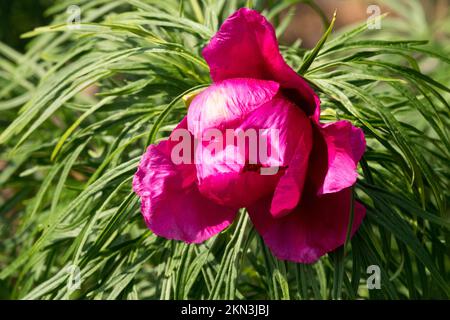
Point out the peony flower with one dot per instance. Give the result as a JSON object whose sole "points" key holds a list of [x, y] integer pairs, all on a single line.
{"points": [[302, 207]]}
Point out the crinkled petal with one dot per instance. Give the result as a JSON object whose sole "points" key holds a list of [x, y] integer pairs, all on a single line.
{"points": [[246, 47], [236, 189], [171, 203], [293, 149], [317, 226], [283, 125], [290, 187], [338, 147], [240, 174], [226, 103]]}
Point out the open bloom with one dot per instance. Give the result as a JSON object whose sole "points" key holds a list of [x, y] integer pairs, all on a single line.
{"points": [[302, 210]]}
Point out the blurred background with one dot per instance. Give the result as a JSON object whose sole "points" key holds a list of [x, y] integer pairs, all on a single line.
{"points": [[20, 16]]}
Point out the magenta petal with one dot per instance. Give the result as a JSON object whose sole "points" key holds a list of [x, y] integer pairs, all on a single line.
{"points": [[338, 147], [318, 226], [171, 203], [246, 47], [295, 143], [223, 104], [235, 189], [289, 121], [285, 131], [290, 187]]}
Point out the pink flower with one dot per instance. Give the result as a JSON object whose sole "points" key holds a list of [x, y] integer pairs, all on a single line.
{"points": [[302, 210]]}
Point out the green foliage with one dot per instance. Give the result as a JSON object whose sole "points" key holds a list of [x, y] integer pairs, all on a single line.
{"points": [[68, 158]]}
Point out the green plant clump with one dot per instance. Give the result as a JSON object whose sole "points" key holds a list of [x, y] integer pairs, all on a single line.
{"points": [[81, 105]]}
